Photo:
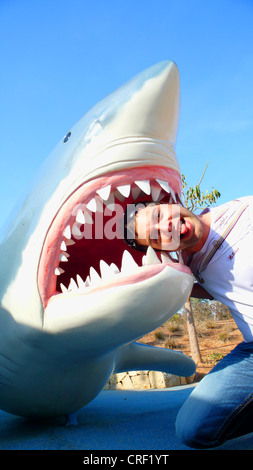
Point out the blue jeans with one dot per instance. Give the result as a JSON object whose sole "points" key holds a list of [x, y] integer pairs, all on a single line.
{"points": [[221, 405]]}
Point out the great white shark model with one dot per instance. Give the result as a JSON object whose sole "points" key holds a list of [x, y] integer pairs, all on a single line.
{"points": [[73, 303]]}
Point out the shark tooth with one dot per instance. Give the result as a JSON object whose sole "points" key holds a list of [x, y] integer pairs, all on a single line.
{"points": [[58, 271], [94, 276], [173, 195], [104, 193], [110, 203], [128, 264], [151, 257], [119, 196], [144, 185], [88, 217], [166, 258], [63, 288], [76, 231], [69, 242], [107, 272], [63, 246], [104, 269], [135, 192], [63, 258], [155, 192], [99, 205], [114, 268], [67, 232], [80, 282], [87, 281], [80, 218], [72, 285], [124, 189], [92, 206], [143, 260], [164, 185]]}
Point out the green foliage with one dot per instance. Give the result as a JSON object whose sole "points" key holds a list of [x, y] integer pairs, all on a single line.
{"points": [[220, 311], [195, 199], [214, 357], [209, 310], [175, 318]]}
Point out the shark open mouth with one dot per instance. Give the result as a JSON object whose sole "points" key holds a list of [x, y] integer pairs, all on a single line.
{"points": [[84, 248]]}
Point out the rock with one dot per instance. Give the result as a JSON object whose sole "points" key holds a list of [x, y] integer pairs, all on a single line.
{"points": [[145, 380]]}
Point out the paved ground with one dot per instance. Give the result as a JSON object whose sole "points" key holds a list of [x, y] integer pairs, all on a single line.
{"points": [[125, 420]]}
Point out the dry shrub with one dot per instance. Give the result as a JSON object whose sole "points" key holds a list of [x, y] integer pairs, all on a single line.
{"points": [[159, 335], [174, 328], [225, 335], [172, 343]]}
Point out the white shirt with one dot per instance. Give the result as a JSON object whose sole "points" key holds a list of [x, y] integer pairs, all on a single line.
{"points": [[224, 266]]}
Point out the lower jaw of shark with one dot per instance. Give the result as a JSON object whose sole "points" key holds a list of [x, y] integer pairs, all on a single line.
{"points": [[84, 248]]}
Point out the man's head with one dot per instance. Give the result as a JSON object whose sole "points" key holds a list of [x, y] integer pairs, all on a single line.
{"points": [[167, 227]]}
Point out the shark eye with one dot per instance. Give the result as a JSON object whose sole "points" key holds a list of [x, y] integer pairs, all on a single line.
{"points": [[67, 137]]}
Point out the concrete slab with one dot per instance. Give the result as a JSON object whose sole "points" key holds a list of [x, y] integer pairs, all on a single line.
{"points": [[114, 420]]}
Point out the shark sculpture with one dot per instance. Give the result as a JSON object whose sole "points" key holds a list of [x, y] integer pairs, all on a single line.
{"points": [[73, 299]]}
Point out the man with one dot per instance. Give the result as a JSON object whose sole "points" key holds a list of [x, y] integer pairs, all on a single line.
{"points": [[217, 246]]}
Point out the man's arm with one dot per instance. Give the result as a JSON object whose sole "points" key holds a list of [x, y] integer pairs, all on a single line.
{"points": [[200, 293]]}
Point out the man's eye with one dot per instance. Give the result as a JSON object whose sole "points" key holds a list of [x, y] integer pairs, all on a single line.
{"points": [[157, 214]]}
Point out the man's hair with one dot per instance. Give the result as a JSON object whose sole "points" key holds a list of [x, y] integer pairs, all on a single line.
{"points": [[129, 224]]}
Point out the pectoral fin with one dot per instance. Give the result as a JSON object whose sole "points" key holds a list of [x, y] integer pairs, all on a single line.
{"points": [[137, 356]]}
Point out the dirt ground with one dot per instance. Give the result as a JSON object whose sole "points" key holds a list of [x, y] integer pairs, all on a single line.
{"points": [[216, 339]]}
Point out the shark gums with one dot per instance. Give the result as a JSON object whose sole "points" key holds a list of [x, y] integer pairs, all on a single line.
{"points": [[74, 297]]}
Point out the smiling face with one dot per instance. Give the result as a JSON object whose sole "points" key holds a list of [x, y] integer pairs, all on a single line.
{"points": [[168, 227]]}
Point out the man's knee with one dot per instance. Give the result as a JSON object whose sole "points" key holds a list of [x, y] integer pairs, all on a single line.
{"points": [[186, 433], [194, 433]]}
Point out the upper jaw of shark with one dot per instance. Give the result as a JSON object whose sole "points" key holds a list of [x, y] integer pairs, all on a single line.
{"points": [[84, 247]]}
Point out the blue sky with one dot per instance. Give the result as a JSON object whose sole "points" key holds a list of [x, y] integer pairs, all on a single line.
{"points": [[59, 58]]}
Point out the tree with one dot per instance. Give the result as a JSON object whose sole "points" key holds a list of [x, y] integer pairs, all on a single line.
{"points": [[195, 199]]}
